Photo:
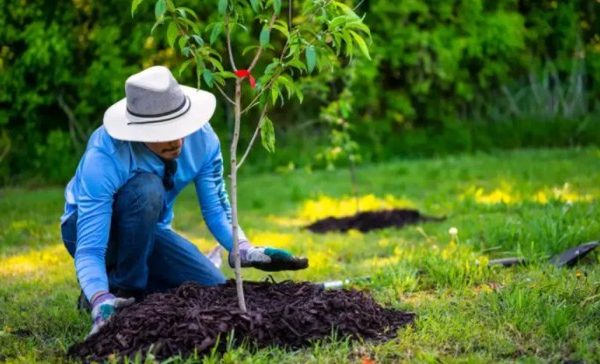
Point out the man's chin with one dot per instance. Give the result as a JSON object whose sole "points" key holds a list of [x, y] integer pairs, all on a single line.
{"points": [[171, 155]]}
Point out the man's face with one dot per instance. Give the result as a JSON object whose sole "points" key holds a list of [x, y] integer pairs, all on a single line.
{"points": [[167, 150]]}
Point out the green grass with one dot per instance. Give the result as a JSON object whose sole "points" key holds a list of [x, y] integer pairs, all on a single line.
{"points": [[531, 203]]}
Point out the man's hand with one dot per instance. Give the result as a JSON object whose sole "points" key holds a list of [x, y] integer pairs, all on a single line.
{"points": [[104, 306], [268, 259]]}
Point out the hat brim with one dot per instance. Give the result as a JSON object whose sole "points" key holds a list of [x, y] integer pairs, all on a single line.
{"points": [[118, 126]]}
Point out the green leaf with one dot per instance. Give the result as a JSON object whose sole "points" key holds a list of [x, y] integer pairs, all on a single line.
{"points": [[213, 52], [345, 8], [274, 93], [160, 8], [255, 5], [349, 43], [362, 45], [219, 80], [134, 6], [156, 24], [288, 83], [194, 26], [226, 74], [172, 33], [359, 25], [215, 63], [299, 94], [265, 35], [337, 21], [338, 43], [184, 66], [311, 58], [182, 10], [296, 63], [282, 27], [199, 71], [183, 41], [222, 7], [216, 31], [267, 134], [271, 67], [198, 39], [248, 48], [208, 77], [277, 6]]}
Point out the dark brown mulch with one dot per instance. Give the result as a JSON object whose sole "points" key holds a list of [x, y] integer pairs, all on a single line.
{"points": [[370, 220], [287, 314]]}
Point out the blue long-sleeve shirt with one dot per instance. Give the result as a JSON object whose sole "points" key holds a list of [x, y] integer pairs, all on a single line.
{"points": [[108, 164]]}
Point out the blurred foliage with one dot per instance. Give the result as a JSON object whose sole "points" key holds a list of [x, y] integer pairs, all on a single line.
{"points": [[445, 76], [441, 61]]}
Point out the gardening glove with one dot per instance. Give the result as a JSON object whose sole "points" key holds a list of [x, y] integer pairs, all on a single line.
{"points": [[215, 256], [267, 259], [104, 306]]}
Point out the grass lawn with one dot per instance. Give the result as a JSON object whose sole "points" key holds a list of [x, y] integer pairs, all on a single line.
{"points": [[530, 203]]}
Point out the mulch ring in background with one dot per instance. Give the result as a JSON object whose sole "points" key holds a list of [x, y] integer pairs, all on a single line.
{"points": [[287, 314], [370, 220]]}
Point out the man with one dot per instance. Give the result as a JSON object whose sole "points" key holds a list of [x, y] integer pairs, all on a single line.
{"points": [[119, 204]]}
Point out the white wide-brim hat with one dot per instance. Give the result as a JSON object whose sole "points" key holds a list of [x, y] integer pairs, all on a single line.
{"points": [[157, 109]]}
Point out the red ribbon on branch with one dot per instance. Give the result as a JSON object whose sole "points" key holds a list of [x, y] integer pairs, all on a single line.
{"points": [[244, 74]]}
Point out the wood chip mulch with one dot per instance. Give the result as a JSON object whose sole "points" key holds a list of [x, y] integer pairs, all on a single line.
{"points": [[371, 220], [195, 318]]}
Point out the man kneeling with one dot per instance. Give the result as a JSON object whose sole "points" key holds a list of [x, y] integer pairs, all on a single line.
{"points": [[119, 204]]}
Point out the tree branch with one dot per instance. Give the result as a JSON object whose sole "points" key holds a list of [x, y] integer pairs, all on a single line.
{"points": [[228, 31], [272, 80], [224, 94], [258, 127], [77, 135], [234, 205], [358, 5], [5, 139], [260, 48], [290, 9], [305, 124], [194, 48], [254, 101]]}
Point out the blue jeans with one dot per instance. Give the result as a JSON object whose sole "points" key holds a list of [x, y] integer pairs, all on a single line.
{"points": [[141, 256]]}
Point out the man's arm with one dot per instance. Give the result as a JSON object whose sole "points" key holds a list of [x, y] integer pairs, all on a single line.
{"points": [[210, 189], [212, 196], [99, 181]]}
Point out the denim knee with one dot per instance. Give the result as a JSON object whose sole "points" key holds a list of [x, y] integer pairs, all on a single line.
{"points": [[68, 231], [143, 194]]}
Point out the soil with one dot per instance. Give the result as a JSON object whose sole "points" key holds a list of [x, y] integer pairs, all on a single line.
{"points": [[195, 318], [370, 220]]}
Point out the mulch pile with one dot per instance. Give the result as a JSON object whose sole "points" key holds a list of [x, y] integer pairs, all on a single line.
{"points": [[192, 317], [370, 220]]}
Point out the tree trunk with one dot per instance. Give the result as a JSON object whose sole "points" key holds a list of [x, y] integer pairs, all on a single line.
{"points": [[354, 184], [234, 212]]}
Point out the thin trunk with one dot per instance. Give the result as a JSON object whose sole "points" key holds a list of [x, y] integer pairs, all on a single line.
{"points": [[354, 184], [234, 213], [6, 144], [75, 131]]}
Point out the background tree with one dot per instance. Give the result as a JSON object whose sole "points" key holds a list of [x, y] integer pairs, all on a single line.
{"points": [[446, 76], [342, 148]]}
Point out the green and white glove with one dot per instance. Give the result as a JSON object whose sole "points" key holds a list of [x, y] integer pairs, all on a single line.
{"points": [[104, 306], [268, 259]]}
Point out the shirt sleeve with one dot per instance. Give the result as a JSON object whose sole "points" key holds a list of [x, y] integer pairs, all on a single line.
{"points": [[99, 181], [213, 199]]}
